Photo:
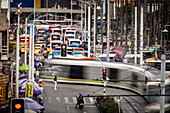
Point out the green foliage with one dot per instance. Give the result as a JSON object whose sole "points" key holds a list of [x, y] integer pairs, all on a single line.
{"points": [[107, 105]]}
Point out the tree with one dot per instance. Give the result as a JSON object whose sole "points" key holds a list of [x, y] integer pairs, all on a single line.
{"points": [[107, 105]]}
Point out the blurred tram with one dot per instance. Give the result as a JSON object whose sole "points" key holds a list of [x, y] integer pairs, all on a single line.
{"points": [[143, 78], [157, 64]]}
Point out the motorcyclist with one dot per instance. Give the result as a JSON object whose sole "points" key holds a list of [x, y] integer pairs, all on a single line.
{"points": [[79, 99]]}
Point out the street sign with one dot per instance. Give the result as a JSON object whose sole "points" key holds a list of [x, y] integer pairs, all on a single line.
{"points": [[29, 90]]}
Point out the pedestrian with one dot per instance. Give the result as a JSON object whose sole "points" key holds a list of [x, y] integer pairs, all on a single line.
{"points": [[41, 84], [55, 82]]}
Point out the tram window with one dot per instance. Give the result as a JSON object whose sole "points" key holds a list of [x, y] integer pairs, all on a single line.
{"points": [[167, 66], [76, 72], [157, 65], [113, 74], [134, 77]]}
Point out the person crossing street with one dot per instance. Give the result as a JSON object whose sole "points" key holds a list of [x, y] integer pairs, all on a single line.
{"points": [[55, 82]]}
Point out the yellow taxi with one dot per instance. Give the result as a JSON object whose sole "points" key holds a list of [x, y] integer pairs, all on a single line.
{"points": [[48, 48], [37, 48]]}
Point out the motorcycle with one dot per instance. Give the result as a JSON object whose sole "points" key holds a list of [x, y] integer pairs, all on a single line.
{"points": [[81, 105]]}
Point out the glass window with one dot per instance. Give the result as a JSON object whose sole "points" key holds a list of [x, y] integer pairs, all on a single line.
{"points": [[167, 66]]}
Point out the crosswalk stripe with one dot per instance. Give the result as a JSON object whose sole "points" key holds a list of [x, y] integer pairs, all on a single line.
{"points": [[91, 100], [84, 101], [58, 99], [49, 99], [66, 100], [74, 99]]}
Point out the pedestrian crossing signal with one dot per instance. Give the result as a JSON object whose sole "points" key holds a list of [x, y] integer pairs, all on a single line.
{"points": [[63, 50], [104, 74], [104, 70], [18, 105]]}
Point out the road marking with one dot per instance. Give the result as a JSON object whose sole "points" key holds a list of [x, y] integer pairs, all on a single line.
{"points": [[49, 99], [84, 101], [66, 100], [58, 99], [91, 100], [68, 109], [74, 99]]}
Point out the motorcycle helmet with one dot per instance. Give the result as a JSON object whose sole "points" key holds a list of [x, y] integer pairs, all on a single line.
{"points": [[80, 94]]}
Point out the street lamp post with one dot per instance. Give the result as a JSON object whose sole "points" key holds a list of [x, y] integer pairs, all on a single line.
{"points": [[17, 52]]}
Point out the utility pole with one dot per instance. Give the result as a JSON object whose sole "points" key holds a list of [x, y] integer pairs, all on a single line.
{"points": [[85, 22], [46, 9], [71, 12], [30, 49], [26, 41], [108, 29], [8, 13], [162, 98], [95, 26], [135, 35], [81, 17], [89, 29], [34, 9], [141, 37], [33, 51], [17, 51], [55, 10]]}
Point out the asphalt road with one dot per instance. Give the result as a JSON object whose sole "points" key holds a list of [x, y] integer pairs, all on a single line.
{"points": [[63, 100]]}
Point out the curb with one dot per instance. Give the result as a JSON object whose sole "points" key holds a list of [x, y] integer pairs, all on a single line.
{"points": [[94, 83]]}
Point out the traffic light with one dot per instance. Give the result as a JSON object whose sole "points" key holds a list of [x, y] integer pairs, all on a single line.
{"points": [[63, 50], [104, 74], [18, 105]]}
